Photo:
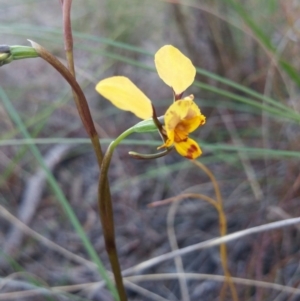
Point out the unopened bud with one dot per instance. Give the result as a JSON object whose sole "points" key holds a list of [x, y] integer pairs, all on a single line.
{"points": [[11, 53], [5, 55]]}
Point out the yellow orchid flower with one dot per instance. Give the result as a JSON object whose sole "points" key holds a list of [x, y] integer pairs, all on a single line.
{"points": [[181, 118]]}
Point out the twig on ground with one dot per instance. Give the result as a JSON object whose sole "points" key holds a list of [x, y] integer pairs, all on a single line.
{"points": [[31, 198]]}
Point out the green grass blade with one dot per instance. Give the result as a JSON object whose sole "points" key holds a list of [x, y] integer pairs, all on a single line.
{"points": [[20, 154], [256, 29], [244, 89], [264, 39], [276, 153], [59, 193], [273, 111], [17, 267], [292, 72]]}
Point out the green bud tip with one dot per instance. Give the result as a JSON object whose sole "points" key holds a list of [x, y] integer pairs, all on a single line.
{"points": [[16, 52], [5, 55]]}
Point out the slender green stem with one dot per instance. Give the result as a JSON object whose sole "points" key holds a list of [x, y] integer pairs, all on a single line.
{"points": [[106, 208], [107, 217]]}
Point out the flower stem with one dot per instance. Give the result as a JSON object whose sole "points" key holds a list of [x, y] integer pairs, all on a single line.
{"points": [[68, 36], [80, 100], [107, 217], [223, 230], [85, 115]]}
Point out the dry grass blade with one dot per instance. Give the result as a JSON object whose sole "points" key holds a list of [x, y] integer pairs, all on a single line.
{"points": [[249, 170], [78, 259], [30, 290], [47, 242], [173, 242], [142, 278], [218, 205], [211, 243], [192, 276], [32, 196]]}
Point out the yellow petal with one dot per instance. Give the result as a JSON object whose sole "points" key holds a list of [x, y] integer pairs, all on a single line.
{"points": [[174, 68], [193, 123], [169, 142], [180, 134], [183, 112], [125, 95], [189, 149]]}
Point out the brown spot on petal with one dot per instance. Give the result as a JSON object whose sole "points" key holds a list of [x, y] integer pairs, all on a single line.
{"points": [[193, 148]]}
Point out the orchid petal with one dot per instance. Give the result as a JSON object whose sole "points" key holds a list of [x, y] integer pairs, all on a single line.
{"points": [[185, 113], [188, 148], [174, 68], [125, 95], [169, 142]]}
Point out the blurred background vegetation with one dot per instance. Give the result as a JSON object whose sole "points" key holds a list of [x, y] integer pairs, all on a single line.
{"points": [[247, 54]]}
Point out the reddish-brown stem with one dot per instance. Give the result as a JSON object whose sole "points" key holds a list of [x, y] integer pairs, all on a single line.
{"points": [[107, 221], [81, 102], [104, 198], [68, 37]]}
